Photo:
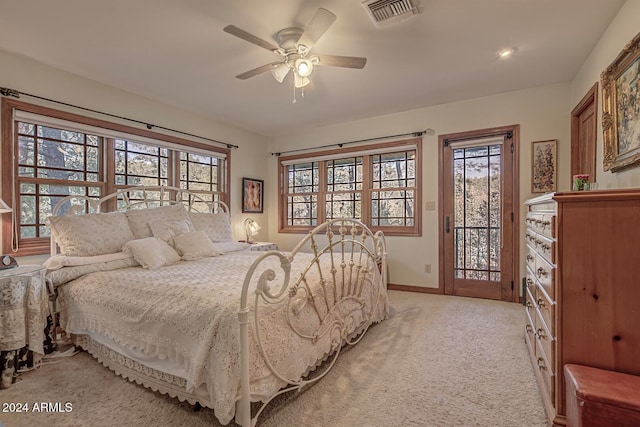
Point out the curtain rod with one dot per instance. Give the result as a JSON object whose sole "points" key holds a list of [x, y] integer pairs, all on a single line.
{"points": [[428, 131], [507, 133], [16, 94]]}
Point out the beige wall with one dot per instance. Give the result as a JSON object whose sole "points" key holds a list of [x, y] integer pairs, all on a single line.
{"points": [[542, 113], [28, 76], [622, 29]]}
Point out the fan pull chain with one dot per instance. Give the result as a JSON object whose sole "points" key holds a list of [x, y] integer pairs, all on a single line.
{"points": [[294, 94]]}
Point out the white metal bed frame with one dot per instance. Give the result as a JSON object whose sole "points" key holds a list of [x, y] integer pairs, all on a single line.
{"points": [[354, 250]]}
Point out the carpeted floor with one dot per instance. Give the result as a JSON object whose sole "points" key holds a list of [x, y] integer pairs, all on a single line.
{"points": [[437, 361]]}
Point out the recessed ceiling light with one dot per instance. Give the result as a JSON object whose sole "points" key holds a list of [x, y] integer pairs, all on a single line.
{"points": [[506, 53]]}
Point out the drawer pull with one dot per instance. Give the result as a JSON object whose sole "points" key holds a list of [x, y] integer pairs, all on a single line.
{"points": [[538, 221], [540, 334], [529, 305], [545, 223], [540, 302], [546, 247], [529, 281], [542, 272], [530, 257], [529, 328], [541, 364]]}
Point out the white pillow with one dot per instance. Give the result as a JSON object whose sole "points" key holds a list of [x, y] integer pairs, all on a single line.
{"points": [[57, 262], [139, 218], [90, 234], [217, 226], [194, 245], [152, 252], [166, 230]]}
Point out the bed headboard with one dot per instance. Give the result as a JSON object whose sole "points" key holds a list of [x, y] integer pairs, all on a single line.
{"points": [[138, 197]]}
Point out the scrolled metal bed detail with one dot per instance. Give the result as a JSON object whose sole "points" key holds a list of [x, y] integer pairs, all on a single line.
{"points": [[342, 311]]}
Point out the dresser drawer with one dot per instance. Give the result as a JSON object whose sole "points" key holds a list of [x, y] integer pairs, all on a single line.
{"points": [[531, 281], [546, 247], [530, 330], [530, 237], [548, 375], [530, 305], [545, 273], [547, 308], [546, 341], [531, 257], [542, 223]]}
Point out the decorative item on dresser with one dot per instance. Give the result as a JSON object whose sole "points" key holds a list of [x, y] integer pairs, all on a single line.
{"points": [[581, 293], [24, 304]]}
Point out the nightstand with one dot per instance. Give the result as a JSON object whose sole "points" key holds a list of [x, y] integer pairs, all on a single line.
{"points": [[263, 246], [24, 305]]}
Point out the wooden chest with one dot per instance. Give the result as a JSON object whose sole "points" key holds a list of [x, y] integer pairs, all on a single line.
{"points": [[601, 398]]}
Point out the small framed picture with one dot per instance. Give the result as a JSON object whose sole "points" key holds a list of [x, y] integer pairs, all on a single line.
{"points": [[252, 195], [543, 166]]}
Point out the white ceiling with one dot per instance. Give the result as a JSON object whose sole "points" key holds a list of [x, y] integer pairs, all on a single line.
{"points": [[175, 51]]}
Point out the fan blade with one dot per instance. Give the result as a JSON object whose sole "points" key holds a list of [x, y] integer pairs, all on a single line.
{"points": [[259, 70], [342, 61], [238, 32], [318, 25]]}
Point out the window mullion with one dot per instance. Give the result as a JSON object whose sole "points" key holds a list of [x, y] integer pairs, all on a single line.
{"points": [[322, 191], [108, 174], [365, 195]]}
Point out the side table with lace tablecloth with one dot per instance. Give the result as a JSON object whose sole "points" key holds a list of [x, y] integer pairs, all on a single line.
{"points": [[24, 307]]}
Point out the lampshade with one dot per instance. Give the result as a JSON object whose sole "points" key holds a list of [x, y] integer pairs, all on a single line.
{"points": [[4, 208], [300, 81], [280, 71], [304, 67], [251, 228]]}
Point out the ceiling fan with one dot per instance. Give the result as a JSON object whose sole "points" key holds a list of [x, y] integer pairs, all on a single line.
{"points": [[294, 44]]}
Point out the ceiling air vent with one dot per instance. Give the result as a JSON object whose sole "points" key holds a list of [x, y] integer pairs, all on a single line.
{"points": [[387, 11]]}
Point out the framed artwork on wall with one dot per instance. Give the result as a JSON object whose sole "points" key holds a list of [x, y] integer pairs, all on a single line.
{"points": [[621, 109], [252, 195], [543, 166]]}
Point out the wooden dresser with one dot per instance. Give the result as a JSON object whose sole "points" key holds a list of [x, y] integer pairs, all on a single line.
{"points": [[582, 286]]}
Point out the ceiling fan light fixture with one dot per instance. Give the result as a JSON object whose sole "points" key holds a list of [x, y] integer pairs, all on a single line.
{"points": [[280, 71], [300, 81], [304, 67]]}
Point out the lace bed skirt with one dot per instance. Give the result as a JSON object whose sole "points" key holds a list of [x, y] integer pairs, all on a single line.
{"points": [[134, 371]]}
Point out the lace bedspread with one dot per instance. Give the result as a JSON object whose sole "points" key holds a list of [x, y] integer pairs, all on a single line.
{"points": [[187, 313]]}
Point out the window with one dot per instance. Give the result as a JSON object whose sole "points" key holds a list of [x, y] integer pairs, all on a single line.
{"points": [[59, 154], [377, 184]]}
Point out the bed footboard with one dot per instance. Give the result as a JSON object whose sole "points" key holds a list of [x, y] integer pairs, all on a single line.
{"points": [[342, 289]]}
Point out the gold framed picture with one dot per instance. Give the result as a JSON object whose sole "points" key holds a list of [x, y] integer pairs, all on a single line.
{"points": [[543, 166], [621, 109]]}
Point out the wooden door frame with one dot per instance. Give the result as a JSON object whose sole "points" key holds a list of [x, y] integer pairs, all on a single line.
{"points": [[591, 97], [515, 207]]}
